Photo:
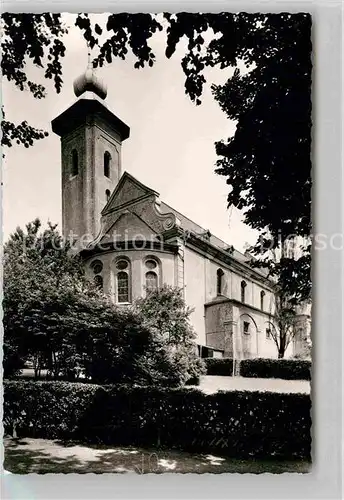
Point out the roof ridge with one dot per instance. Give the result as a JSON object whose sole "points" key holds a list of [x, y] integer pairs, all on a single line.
{"points": [[196, 223]]}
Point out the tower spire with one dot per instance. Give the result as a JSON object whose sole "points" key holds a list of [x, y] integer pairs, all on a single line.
{"points": [[89, 59], [88, 82]]}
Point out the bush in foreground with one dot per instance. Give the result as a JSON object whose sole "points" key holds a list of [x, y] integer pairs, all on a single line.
{"points": [[238, 424], [60, 321], [172, 360], [288, 369]]}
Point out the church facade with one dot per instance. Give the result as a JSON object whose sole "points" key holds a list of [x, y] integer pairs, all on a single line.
{"points": [[132, 242]]}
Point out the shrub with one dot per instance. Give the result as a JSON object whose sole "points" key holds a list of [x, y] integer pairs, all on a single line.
{"points": [[172, 359], [193, 381], [45, 409], [12, 363], [289, 369], [238, 424], [222, 366]]}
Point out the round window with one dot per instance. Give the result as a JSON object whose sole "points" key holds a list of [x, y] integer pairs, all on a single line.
{"points": [[151, 264], [97, 266], [122, 264]]}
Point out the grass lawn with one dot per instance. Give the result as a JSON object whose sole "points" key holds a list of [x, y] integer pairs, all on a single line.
{"points": [[23, 456]]}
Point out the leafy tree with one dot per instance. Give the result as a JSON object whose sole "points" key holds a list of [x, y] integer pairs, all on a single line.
{"points": [[56, 317], [267, 162], [166, 313], [38, 38], [173, 359], [113, 345], [284, 309], [284, 319], [40, 278], [287, 329]]}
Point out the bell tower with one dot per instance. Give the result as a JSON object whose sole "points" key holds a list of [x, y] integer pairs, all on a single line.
{"points": [[91, 141]]}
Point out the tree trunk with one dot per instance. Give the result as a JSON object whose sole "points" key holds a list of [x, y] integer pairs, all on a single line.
{"points": [[282, 342], [36, 365]]}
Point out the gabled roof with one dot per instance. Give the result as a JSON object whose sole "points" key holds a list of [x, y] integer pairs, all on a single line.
{"points": [[135, 190]]}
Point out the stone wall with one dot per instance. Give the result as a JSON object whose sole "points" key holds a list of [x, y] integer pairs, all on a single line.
{"points": [[216, 316]]}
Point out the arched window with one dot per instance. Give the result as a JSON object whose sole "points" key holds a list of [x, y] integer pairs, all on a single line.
{"points": [[152, 274], [262, 295], [107, 164], [243, 289], [122, 287], [107, 195], [151, 281], [123, 281], [98, 281], [219, 282], [97, 268], [75, 163]]}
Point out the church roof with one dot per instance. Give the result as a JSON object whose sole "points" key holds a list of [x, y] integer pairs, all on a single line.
{"points": [[186, 224], [189, 225], [83, 109]]}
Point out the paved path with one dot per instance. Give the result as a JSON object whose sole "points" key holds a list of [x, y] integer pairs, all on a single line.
{"points": [[213, 383]]}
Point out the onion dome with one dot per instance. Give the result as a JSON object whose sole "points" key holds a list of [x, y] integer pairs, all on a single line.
{"points": [[88, 82]]}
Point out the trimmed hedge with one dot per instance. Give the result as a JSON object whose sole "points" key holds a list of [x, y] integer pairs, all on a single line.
{"points": [[238, 424], [288, 369], [219, 366]]}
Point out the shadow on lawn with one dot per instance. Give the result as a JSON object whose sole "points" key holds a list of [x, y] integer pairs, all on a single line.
{"points": [[24, 456], [25, 461]]}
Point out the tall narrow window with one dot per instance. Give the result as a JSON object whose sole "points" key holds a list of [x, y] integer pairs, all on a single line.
{"points": [[107, 164], [107, 195], [219, 282], [123, 282], [97, 267], [152, 276], [243, 290], [151, 281], [123, 287], [262, 295], [75, 163]]}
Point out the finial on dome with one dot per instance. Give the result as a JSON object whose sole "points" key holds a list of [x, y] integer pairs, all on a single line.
{"points": [[89, 60], [88, 82]]}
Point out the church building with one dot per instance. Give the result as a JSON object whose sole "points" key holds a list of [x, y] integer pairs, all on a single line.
{"points": [[132, 242]]}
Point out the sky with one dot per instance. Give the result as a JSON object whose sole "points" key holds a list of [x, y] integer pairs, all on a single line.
{"points": [[170, 148]]}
